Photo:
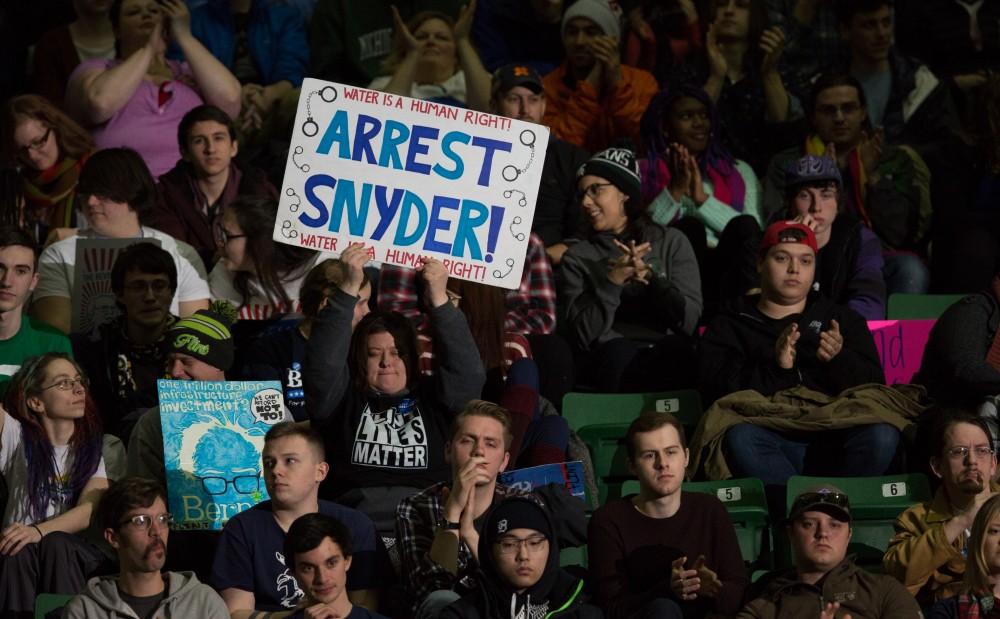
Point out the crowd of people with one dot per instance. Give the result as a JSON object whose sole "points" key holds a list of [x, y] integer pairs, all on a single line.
{"points": [[730, 190]]}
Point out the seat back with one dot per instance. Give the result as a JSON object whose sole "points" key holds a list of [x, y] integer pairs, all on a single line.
{"points": [[584, 409], [45, 603], [920, 305]]}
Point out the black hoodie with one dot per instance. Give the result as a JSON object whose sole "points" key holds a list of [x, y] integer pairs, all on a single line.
{"points": [[556, 594], [737, 351]]}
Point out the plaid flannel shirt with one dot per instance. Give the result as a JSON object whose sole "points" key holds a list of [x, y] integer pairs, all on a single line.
{"points": [[417, 519], [530, 309], [810, 49]]}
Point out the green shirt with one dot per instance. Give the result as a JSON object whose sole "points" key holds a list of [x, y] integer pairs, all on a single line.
{"points": [[32, 339]]}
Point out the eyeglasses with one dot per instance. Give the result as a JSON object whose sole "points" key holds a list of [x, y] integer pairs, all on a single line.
{"points": [[144, 521], [243, 484], [223, 236], [158, 286], [961, 452], [511, 545], [35, 144], [592, 191], [67, 384]]}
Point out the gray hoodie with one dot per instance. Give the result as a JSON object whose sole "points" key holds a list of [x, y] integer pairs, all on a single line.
{"points": [[186, 597]]}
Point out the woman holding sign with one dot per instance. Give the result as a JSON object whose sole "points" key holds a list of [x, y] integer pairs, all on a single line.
{"points": [[385, 426], [630, 293], [432, 57], [139, 98], [50, 456]]}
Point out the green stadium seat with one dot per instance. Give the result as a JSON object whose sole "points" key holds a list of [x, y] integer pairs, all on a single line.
{"points": [[747, 508], [573, 556], [875, 504], [45, 603], [609, 456], [584, 409], [920, 306]]}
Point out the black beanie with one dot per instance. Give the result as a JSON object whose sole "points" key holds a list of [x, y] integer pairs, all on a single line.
{"points": [[618, 166], [205, 335], [517, 513]]}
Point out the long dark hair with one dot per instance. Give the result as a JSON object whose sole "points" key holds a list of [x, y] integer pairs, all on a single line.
{"points": [[485, 309], [85, 444], [402, 332], [758, 24], [272, 262]]}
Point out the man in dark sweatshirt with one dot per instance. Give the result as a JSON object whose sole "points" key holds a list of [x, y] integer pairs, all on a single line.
{"points": [[663, 553], [786, 337]]}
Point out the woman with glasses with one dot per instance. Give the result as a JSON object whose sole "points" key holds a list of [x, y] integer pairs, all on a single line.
{"points": [[50, 456], [49, 150], [630, 294], [259, 276], [520, 574], [117, 194], [693, 183]]}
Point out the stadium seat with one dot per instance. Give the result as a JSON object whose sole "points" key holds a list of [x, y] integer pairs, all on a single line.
{"points": [[747, 508], [926, 306], [584, 409], [46, 603], [875, 504], [609, 456]]}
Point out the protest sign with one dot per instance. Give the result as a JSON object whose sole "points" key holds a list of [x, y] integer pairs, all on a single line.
{"points": [[900, 345], [566, 474], [213, 434], [93, 300], [410, 178]]}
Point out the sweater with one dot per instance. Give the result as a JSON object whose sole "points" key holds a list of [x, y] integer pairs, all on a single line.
{"points": [[630, 555], [736, 352], [185, 597], [595, 310], [387, 440]]}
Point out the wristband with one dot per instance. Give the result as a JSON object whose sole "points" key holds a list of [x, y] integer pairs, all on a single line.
{"points": [[40, 534], [446, 525]]}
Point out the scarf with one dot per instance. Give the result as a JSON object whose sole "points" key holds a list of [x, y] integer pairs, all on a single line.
{"points": [[229, 192], [727, 184], [855, 169], [50, 195]]}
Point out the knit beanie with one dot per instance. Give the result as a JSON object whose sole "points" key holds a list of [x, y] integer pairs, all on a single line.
{"points": [[597, 11], [618, 166], [205, 335], [517, 513]]}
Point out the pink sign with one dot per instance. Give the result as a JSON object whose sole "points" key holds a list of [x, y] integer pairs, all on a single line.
{"points": [[900, 345]]}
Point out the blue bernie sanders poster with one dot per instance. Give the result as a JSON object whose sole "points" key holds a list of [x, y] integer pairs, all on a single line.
{"points": [[213, 434], [411, 179]]}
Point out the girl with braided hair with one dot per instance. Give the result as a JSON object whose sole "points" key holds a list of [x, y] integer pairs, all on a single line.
{"points": [[50, 456]]}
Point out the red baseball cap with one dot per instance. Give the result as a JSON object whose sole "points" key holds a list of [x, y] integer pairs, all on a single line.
{"points": [[787, 232]]}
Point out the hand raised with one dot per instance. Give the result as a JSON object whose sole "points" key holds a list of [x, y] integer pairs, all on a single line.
{"points": [[831, 342], [784, 347]]}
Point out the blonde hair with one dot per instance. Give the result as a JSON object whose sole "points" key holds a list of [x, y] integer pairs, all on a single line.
{"points": [[482, 408], [977, 573]]}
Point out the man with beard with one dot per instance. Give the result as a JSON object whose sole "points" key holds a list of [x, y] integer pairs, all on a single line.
{"points": [[136, 524], [928, 551]]}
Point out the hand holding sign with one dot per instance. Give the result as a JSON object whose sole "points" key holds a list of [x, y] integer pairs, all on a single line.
{"points": [[435, 278], [353, 259]]}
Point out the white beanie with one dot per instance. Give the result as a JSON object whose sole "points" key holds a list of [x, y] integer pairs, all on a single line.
{"points": [[597, 11]]}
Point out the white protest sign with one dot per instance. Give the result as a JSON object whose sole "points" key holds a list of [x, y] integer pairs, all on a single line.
{"points": [[410, 178]]}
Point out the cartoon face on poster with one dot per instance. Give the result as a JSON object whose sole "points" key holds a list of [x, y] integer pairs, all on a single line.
{"points": [[410, 179], [213, 434]]}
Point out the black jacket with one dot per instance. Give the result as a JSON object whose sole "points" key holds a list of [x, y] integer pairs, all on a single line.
{"points": [[954, 367], [737, 351], [557, 211]]}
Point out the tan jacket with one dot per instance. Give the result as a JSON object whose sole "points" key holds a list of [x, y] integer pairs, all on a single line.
{"points": [[919, 555], [861, 594]]}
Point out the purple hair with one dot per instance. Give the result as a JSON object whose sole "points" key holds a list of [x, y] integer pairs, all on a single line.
{"points": [[85, 444], [715, 163]]}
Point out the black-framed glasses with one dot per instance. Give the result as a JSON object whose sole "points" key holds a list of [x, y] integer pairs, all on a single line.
{"points": [[223, 236], [592, 191], [68, 384], [35, 144], [144, 521], [243, 484], [511, 545]]}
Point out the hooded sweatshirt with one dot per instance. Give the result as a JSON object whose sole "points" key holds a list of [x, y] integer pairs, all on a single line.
{"points": [[185, 597], [556, 594]]}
